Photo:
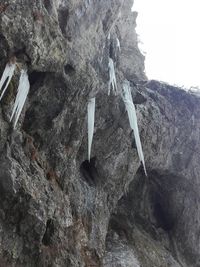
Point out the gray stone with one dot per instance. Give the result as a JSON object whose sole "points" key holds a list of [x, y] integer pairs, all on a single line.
{"points": [[56, 208]]}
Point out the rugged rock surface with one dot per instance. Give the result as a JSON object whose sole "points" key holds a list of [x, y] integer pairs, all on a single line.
{"points": [[56, 208]]}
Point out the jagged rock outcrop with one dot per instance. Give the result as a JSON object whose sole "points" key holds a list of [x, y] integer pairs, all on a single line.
{"points": [[58, 209]]}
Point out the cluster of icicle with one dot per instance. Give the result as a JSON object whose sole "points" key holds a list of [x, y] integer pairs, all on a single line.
{"points": [[22, 90], [128, 101]]}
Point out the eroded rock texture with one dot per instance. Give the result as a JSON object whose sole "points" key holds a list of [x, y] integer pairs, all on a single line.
{"points": [[56, 208]]}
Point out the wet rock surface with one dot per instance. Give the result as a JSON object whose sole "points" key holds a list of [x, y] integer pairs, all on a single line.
{"points": [[56, 207]]}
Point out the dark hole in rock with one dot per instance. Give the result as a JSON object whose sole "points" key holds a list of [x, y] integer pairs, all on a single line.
{"points": [[36, 77], [161, 214], [69, 69], [89, 172], [139, 99], [50, 229]]}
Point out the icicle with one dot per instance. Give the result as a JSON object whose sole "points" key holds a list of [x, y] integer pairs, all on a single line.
{"points": [[22, 93], [7, 75], [112, 81], [91, 115], [108, 36], [127, 97], [118, 44]]}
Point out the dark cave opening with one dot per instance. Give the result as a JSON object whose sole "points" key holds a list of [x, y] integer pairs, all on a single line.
{"points": [[36, 77], [162, 205], [69, 69], [148, 203], [161, 214], [89, 171]]}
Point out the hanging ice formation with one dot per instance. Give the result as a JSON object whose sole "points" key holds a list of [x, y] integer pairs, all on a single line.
{"points": [[112, 80], [91, 115], [22, 93], [6, 77], [118, 44], [127, 97]]}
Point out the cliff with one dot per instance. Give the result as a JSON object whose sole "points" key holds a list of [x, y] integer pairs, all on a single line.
{"points": [[57, 208]]}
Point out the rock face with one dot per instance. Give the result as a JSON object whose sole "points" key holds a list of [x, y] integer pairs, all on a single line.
{"points": [[57, 208]]}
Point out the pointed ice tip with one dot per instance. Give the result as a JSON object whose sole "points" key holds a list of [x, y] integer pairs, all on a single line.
{"points": [[118, 44], [91, 118], [128, 101], [22, 92], [144, 167], [6, 77], [145, 171]]}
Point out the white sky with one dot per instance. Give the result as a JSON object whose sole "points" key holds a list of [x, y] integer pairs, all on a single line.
{"points": [[170, 33]]}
